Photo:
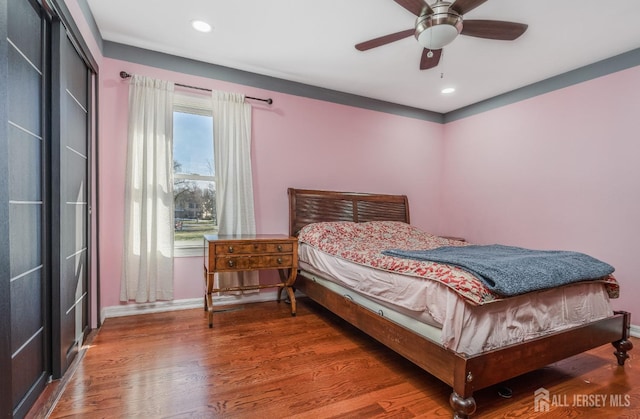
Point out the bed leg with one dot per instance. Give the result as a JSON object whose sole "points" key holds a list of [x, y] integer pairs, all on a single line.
{"points": [[623, 345], [462, 408]]}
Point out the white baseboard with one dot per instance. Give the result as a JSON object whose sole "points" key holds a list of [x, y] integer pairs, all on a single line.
{"points": [[133, 309], [258, 297]]}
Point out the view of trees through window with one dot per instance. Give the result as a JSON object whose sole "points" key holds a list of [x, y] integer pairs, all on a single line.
{"points": [[194, 188]]}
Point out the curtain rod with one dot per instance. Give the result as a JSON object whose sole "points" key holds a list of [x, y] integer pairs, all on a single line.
{"points": [[125, 75]]}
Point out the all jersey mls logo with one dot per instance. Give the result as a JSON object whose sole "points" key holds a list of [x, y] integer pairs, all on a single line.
{"points": [[543, 400]]}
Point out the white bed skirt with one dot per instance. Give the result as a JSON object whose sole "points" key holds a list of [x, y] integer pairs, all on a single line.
{"points": [[434, 311]]}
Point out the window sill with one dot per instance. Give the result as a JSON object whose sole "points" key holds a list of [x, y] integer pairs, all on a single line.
{"points": [[188, 251]]}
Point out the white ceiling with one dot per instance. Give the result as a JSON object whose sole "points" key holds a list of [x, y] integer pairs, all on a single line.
{"points": [[312, 42]]}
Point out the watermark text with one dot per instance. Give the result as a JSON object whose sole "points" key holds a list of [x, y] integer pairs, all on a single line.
{"points": [[543, 400]]}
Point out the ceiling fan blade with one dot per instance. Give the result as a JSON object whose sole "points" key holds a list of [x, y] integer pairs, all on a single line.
{"points": [[493, 29], [383, 40], [465, 6], [430, 62], [417, 7]]}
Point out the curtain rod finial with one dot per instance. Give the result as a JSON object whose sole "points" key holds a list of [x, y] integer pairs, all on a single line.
{"points": [[124, 75]]}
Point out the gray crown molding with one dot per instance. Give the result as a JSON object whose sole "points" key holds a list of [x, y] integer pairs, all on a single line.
{"points": [[198, 68], [601, 68]]}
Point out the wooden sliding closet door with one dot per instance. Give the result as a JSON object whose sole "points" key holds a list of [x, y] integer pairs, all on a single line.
{"points": [[23, 195], [70, 198], [46, 108]]}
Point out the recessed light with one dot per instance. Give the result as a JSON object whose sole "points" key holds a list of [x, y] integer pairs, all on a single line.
{"points": [[201, 26], [448, 90]]}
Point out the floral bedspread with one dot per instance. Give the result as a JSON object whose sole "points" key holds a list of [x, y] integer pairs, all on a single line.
{"points": [[362, 243]]}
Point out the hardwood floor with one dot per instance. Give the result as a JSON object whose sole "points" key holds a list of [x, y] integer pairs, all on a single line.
{"points": [[259, 362]]}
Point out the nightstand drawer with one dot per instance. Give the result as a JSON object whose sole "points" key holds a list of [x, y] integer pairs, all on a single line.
{"points": [[253, 248], [230, 263]]}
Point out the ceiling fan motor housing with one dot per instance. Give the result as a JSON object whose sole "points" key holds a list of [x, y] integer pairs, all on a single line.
{"points": [[440, 28]]}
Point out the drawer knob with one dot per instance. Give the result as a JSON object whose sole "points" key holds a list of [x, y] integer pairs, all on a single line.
{"points": [[230, 249], [279, 261], [279, 248], [231, 263]]}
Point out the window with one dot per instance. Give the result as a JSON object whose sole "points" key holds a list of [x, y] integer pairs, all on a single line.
{"points": [[194, 186]]}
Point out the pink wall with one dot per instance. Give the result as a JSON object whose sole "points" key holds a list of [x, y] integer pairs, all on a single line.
{"points": [[297, 142], [556, 171]]}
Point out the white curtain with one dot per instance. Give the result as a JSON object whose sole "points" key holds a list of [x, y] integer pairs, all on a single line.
{"points": [[148, 248], [234, 185]]}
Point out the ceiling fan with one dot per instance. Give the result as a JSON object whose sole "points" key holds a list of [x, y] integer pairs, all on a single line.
{"points": [[439, 24]]}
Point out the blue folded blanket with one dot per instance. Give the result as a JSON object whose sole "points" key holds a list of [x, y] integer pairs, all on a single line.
{"points": [[509, 270]]}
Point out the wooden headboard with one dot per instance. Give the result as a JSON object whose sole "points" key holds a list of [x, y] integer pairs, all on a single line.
{"points": [[309, 206]]}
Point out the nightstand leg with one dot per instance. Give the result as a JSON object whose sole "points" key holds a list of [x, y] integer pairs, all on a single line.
{"points": [[292, 298], [209, 304], [285, 281]]}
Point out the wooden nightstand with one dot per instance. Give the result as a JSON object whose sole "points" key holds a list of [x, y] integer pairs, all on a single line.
{"points": [[236, 253]]}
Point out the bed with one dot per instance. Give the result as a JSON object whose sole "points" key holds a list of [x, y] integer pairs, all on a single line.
{"points": [[437, 343]]}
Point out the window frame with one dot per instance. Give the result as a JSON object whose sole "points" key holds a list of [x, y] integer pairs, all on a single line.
{"points": [[197, 104]]}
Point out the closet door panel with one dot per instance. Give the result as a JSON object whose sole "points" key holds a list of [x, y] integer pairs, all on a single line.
{"points": [[30, 322], [73, 290], [27, 368], [71, 206], [25, 90], [76, 188], [77, 78], [75, 270], [75, 134], [75, 222], [25, 173], [24, 30], [25, 230], [25, 183], [73, 295]]}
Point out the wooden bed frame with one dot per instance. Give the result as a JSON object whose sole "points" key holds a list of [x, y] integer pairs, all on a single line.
{"points": [[465, 374]]}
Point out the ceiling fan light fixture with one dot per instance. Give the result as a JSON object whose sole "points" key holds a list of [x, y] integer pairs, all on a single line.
{"points": [[437, 30]]}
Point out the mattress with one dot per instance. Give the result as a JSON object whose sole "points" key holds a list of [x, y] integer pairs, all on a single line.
{"points": [[426, 306]]}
